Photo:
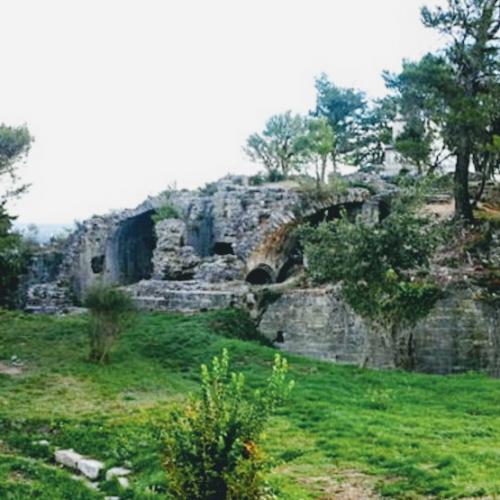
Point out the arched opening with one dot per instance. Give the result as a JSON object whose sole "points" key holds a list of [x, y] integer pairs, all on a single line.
{"points": [[335, 212], [135, 242], [223, 248], [261, 275]]}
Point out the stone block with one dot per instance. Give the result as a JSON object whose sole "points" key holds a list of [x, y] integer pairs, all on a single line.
{"points": [[90, 467], [117, 472], [68, 458]]}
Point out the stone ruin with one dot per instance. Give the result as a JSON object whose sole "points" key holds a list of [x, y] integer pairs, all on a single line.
{"points": [[233, 243], [222, 243]]}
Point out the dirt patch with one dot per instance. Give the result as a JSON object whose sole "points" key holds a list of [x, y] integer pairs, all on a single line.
{"points": [[336, 484], [345, 485], [6, 369]]}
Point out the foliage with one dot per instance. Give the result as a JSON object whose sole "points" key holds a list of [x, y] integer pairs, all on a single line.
{"points": [[212, 450], [312, 190], [236, 324], [319, 142], [167, 210], [343, 108], [15, 143], [377, 264], [209, 189], [111, 311], [258, 179], [455, 93], [280, 147], [14, 258]]}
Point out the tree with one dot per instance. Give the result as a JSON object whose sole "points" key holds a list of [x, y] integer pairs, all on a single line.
{"points": [[420, 91], [458, 89], [472, 27], [374, 133], [14, 145], [343, 108], [14, 257], [319, 143], [280, 147]]}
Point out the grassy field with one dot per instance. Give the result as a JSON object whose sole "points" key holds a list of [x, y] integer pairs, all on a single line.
{"points": [[404, 435]]}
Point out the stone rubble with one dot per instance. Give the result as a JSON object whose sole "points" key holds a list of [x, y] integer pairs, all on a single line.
{"points": [[90, 468]]}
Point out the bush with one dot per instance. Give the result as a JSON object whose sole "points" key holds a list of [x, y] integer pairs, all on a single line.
{"points": [[383, 268], [236, 324], [14, 260], [166, 211], [312, 190], [111, 312], [212, 450]]}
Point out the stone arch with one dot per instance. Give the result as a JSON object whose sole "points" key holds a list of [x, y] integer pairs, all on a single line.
{"points": [[261, 275]]}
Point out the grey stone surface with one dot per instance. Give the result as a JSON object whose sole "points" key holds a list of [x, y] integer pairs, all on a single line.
{"points": [[223, 234], [319, 324], [90, 468], [117, 472], [461, 333], [68, 458], [186, 296]]}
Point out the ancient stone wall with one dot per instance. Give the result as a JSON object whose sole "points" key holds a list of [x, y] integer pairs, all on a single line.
{"points": [[461, 333]]}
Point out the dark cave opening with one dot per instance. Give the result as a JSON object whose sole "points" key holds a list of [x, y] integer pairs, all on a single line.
{"points": [[223, 248], [261, 275], [200, 233], [97, 264], [335, 212], [136, 242]]}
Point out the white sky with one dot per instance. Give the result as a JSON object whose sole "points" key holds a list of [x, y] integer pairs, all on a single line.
{"points": [[125, 97]]}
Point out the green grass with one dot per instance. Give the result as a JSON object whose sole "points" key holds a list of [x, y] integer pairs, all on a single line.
{"points": [[417, 435]]}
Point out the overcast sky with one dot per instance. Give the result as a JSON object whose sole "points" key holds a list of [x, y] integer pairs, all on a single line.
{"points": [[127, 96]]}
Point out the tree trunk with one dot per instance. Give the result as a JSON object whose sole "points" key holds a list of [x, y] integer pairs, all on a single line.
{"points": [[324, 160], [463, 208]]}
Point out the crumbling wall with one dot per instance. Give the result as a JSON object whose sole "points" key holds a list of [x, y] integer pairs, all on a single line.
{"points": [[461, 333]]}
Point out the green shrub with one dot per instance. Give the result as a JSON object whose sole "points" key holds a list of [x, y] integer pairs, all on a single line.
{"points": [[257, 179], [209, 189], [211, 447], [14, 259], [111, 312], [383, 268], [312, 190], [167, 211], [237, 324]]}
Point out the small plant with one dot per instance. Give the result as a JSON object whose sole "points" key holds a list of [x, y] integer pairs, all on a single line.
{"points": [[212, 451], [209, 189], [111, 312], [311, 190], [258, 179], [167, 211], [237, 324]]}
